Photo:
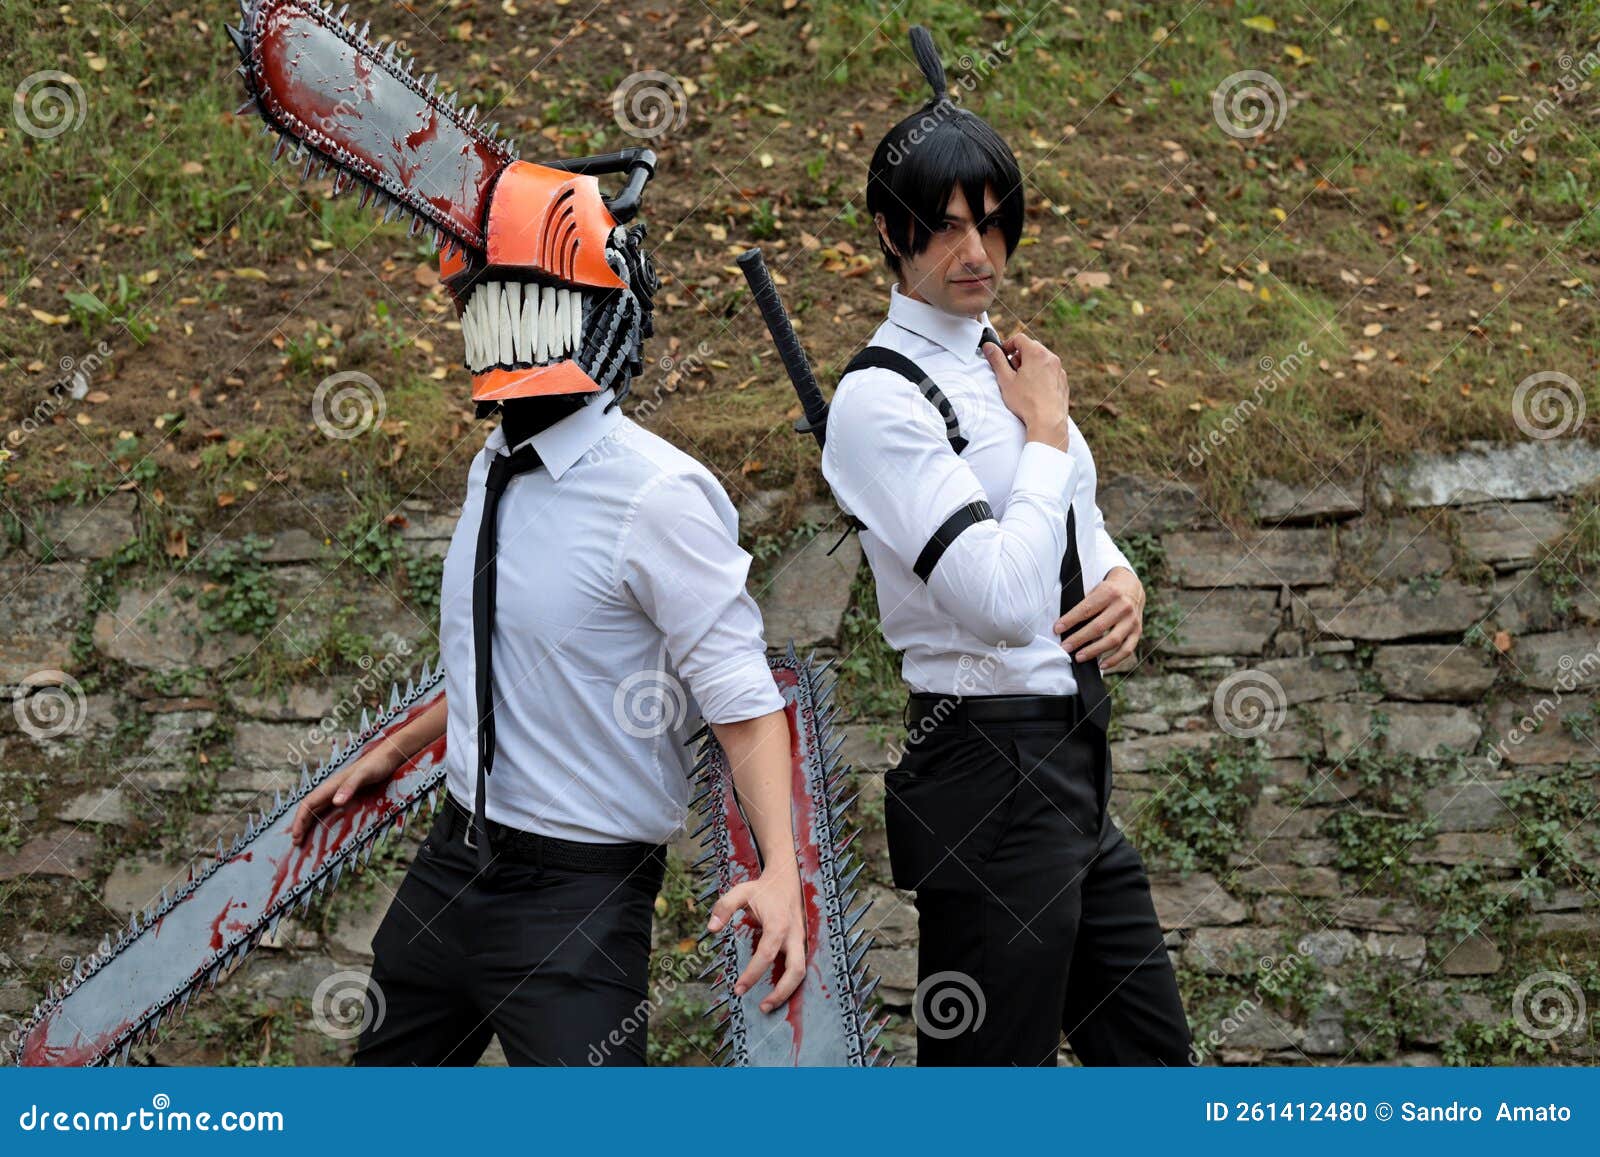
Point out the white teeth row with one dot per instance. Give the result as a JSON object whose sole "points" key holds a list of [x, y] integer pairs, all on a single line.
{"points": [[512, 322]]}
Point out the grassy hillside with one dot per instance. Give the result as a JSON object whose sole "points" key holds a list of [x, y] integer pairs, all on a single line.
{"points": [[1414, 235]]}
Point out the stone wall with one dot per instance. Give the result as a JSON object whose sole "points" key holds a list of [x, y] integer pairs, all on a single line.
{"points": [[1356, 750]]}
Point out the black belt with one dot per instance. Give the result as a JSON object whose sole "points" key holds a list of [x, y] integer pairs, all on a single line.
{"points": [[524, 847], [926, 711]]}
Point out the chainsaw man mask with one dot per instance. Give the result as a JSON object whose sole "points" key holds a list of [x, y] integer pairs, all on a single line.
{"points": [[550, 281]]}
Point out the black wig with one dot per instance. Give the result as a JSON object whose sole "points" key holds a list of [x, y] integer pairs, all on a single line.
{"points": [[940, 147]]}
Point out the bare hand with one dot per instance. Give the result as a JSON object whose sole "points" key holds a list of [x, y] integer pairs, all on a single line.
{"points": [[372, 767], [773, 904], [1033, 386], [1108, 623]]}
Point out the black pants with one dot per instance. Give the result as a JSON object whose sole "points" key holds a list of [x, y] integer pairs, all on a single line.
{"points": [[554, 962], [1034, 912]]}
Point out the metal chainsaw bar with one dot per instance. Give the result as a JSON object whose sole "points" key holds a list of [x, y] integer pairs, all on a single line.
{"points": [[120, 995], [338, 101], [832, 1019]]}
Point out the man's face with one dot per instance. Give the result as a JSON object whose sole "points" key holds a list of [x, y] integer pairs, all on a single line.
{"points": [[960, 270]]}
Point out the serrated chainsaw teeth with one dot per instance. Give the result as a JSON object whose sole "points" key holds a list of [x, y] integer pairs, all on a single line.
{"points": [[143, 1022], [841, 944]]}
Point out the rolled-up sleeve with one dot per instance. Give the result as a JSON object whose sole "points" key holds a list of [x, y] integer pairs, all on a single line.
{"points": [[889, 462], [682, 562]]}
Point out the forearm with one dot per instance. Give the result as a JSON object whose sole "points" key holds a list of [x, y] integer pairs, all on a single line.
{"points": [[758, 754], [416, 734]]}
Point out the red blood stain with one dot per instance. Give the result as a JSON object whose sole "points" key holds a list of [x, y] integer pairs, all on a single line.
{"points": [[810, 860], [39, 1052], [234, 925], [430, 130], [302, 67], [746, 864], [367, 809]]}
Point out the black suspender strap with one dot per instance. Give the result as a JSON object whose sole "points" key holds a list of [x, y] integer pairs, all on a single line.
{"points": [[947, 533], [881, 357], [501, 471], [1091, 683], [878, 357]]}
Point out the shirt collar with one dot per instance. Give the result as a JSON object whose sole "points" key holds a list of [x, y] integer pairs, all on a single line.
{"points": [[562, 443], [954, 332]]}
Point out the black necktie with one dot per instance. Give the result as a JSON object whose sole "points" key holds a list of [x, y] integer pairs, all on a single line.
{"points": [[988, 336], [1091, 684], [502, 470]]}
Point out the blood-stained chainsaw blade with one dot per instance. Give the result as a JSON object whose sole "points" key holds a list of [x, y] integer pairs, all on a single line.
{"points": [[337, 100], [831, 1019], [120, 995]]}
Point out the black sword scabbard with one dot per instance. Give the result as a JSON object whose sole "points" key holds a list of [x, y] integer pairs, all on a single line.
{"points": [[794, 357]]}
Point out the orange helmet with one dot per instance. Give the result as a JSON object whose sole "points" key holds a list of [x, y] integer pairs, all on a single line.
{"points": [[560, 303]]}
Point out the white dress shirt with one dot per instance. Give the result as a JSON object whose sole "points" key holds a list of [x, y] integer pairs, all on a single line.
{"points": [[981, 625], [621, 614]]}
